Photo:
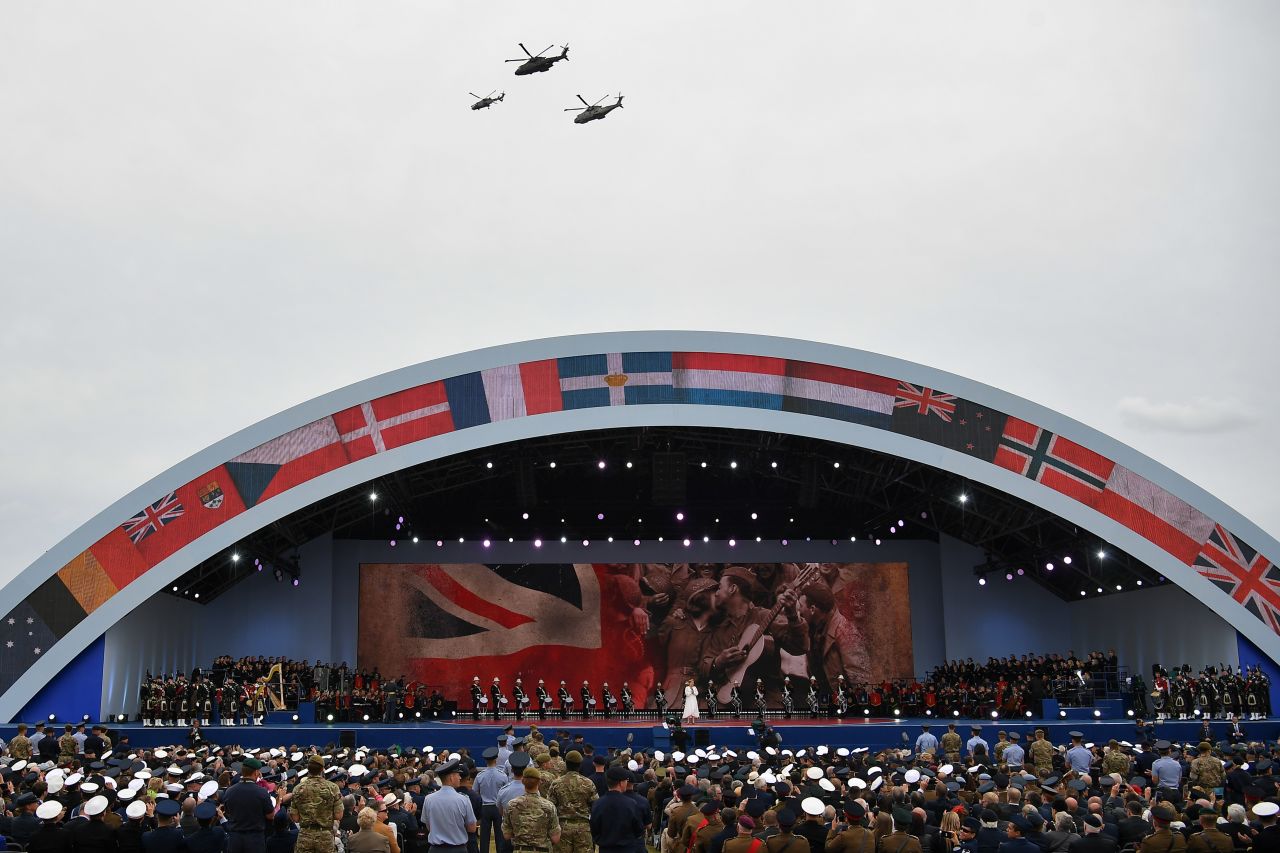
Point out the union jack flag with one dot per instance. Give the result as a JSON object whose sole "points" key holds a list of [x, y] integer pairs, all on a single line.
{"points": [[153, 517], [925, 400], [1243, 573]]}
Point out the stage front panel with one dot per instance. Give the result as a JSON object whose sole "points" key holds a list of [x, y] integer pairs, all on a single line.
{"points": [[641, 624]]}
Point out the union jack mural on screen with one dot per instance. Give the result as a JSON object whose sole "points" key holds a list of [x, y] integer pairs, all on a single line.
{"points": [[131, 546]]}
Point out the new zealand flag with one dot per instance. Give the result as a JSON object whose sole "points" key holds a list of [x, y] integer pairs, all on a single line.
{"points": [[947, 420]]}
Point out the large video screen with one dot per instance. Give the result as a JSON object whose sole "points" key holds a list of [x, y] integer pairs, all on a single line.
{"points": [[638, 623]]}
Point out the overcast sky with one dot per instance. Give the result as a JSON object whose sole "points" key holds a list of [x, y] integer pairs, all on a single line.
{"points": [[210, 212]]}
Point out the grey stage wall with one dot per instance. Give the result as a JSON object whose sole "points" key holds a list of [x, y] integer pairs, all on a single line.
{"points": [[952, 617]]}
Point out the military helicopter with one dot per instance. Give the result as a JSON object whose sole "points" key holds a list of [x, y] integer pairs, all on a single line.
{"points": [[487, 101], [534, 64], [591, 112]]}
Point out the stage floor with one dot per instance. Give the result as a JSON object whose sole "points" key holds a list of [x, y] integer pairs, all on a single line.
{"points": [[876, 733]]}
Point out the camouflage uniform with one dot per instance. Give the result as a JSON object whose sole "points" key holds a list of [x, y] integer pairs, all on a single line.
{"points": [[1116, 763], [1207, 772], [951, 743], [1041, 754], [314, 801], [67, 748], [20, 748], [572, 794], [557, 766], [544, 767], [529, 822]]}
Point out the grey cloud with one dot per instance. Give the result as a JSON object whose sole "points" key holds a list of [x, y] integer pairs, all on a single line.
{"points": [[1199, 415]]}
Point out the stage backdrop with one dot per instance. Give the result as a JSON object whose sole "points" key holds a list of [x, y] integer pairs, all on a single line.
{"points": [[442, 624]]}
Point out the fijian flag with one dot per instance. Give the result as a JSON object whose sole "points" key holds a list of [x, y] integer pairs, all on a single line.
{"points": [[1243, 573], [1057, 462], [947, 420]]}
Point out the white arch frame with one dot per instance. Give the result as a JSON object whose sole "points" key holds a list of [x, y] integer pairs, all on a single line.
{"points": [[232, 531]]}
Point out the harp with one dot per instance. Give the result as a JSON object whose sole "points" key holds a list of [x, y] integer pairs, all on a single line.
{"points": [[274, 690]]}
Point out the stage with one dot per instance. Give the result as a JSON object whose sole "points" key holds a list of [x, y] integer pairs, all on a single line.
{"points": [[873, 732]]}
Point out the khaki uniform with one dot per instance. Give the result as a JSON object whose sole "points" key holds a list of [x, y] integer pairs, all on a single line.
{"points": [[1116, 763], [315, 801], [67, 748], [679, 817], [951, 743], [572, 794], [1163, 841], [742, 844], [780, 842], [855, 839], [900, 842], [1207, 772], [529, 822], [20, 748], [1041, 754], [702, 838], [1210, 841]]}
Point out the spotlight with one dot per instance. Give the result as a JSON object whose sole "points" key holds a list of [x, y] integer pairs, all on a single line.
{"points": [[1082, 593], [537, 543], [686, 543], [417, 715], [415, 540], [964, 499], [1028, 715], [706, 538], [120, 718], [1048, 567], [373, 496], [1097, 713], [197, 595], [982, 581], [754, 516], [393, 543], [733, 542], [835, 464], [525, 516], [1099, 589], [400, 715], [704, 465], [1129, 713], [901, 523], [53, 717], [955, 713], [1139, 583], [784, 542], [928, 712], [599, 516], [1008, 576], [553, 465], [610, 538], [488, 465], [175, 589], [600, 464], [636, 542], [773, 464], [366, 718], [295, 718], [1066, 561], [679, 516], [757, 538], [486, 543], [586, 542], [733, 464], [877, 541], [1118, 587], [628, 464], [1062, 713], [866, 712], [995, 715], [1021, 572], [296, 582], [893, 530], [439, 543], [1102, 555], [896, 712], [85, 718], [235, 558], [329, 718]]}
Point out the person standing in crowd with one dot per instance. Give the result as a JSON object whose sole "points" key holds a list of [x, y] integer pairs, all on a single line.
{"points": [[167, 837], [1013, 755], [315, 805], [573, 796], [20, 746], [447, 813], [617, 820], [367, 840], [50, 837], [530, 823], [247, 807], [488, 783], [1163, 839], [926, 742]]}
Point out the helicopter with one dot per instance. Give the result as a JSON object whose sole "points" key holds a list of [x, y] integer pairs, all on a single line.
{"points": [[591, 112], [534, 64], [487, 101]]}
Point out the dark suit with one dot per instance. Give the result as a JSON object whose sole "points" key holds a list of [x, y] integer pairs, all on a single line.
{"points": [[50, 838], [1018, 845], [92, 836], [1132, 830], [1098, 843], [1267, 840], [169, 839]]}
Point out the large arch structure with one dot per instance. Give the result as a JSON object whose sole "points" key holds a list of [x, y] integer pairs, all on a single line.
{"points": [[73, 593]]}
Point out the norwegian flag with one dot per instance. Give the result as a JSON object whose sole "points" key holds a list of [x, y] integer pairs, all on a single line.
{"points": [[1056, 462], [153, 517], [1243, 573], [925, 401]]}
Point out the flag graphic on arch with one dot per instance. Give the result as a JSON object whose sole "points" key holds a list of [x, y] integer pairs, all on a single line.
{"points": [[1243, 573]]}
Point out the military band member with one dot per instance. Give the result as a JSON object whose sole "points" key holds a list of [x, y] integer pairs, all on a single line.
{"points": [[660, 700], [496, 697], [609, 700], [712, 704], [788, 704], [813, 697], [628, 701], [544, 699], [841, 697], [735, 701], [566, 701], [588, 701], [762, 696], [477, 697], [522, 699]]}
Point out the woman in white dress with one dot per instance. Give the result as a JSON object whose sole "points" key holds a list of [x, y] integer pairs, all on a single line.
{"points": [[690, 712]]}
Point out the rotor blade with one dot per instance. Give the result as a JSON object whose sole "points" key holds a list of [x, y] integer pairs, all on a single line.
{"points": [[544, 50], [584, 101], [490, 95], [515, 60], [525, 49], [573, 109], [474, 95], [597, 102]]}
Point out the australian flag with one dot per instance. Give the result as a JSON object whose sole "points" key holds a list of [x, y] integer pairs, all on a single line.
{"points": [[950, 421]]}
